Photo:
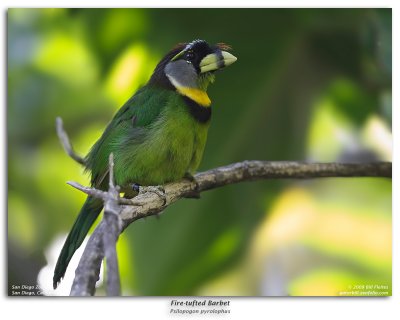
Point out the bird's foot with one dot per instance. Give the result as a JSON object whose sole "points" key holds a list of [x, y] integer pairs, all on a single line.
{"points": [[195, 194], [189, 176], [158, 190], [136, 187]]}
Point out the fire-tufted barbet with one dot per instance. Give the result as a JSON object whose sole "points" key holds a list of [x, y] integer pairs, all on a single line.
{"points": [[158, 135]]}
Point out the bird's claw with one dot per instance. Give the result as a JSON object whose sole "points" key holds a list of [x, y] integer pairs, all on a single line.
{"points": [[195, 194], [189, 176], [136, 187]]}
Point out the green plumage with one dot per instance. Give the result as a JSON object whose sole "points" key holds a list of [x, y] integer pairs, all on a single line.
{"points": [[157, 137], [154, 139]]}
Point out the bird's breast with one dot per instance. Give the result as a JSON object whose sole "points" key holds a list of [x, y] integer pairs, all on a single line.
{"points": [[174, 145]]}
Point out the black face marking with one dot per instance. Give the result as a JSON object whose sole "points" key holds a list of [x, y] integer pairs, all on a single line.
{"points": [[192, 53], [195, 51], [220, 61], [200, 113]]}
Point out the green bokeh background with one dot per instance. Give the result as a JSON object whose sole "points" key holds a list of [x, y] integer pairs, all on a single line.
{"points": [[309, 84]]}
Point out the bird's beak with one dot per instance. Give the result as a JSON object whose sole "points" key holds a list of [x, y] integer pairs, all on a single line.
{"points": [[216, 61]]}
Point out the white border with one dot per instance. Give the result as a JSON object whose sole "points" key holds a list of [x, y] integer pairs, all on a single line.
{"points": [[242, 308]]}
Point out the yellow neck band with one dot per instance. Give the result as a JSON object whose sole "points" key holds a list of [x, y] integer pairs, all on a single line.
{"points": [[197, 95]]}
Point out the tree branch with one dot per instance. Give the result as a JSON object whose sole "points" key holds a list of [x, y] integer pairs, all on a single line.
{"points": [[150, 203]]}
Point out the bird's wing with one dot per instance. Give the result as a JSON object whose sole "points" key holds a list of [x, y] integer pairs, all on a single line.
{"points": [[130, 122]]}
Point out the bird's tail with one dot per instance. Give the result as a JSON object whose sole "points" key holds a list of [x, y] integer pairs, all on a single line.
{"points": [[88, 214]]}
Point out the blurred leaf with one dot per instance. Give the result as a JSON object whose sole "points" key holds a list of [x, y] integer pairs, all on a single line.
{"points": [[327, 225], [351, 100], [62, 56], [131, 70]]}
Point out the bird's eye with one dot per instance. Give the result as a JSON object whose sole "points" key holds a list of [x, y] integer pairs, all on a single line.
{"points": [[189, 56]]}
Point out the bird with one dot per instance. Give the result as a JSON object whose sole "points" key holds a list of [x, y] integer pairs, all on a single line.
{"points": [[158, 136]]}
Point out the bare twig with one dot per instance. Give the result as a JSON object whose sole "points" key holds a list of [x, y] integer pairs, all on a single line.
{"points": [[111, 234], [101, 194], [102, 243], [62, 135]]}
